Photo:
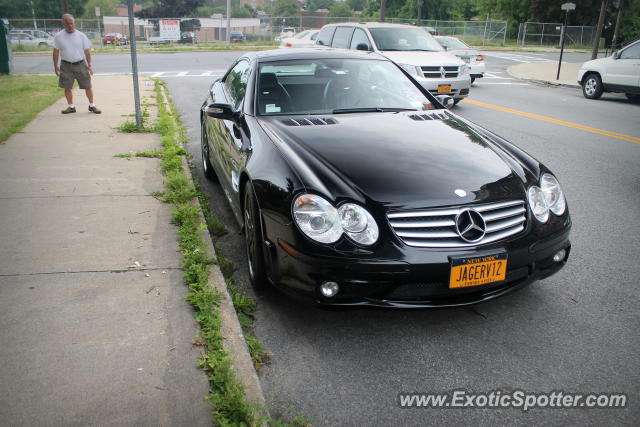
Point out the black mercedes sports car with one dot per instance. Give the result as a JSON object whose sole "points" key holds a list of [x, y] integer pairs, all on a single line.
{"points": [[355, 186]]}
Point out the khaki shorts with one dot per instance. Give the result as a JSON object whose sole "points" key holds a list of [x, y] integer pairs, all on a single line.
{"points": [[70, 72]]}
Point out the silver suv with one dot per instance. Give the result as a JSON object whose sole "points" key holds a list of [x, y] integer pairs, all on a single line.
{"points": [[411, 47]]}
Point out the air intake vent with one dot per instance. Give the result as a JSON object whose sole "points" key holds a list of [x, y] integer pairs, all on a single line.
{"points": [[429, 116], [436, 228], [311, 121]]}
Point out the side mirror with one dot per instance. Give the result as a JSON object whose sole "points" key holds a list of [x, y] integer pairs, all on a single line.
{"points": [[446, 101], [362, 46], [220, 111]]}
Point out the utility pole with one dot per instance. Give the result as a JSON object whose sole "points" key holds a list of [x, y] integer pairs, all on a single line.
{"points": [[420, 4], [382, 6], [134, 63], [566, 7], [618, 4], [596, 41], [65, 6], [228, 22]]}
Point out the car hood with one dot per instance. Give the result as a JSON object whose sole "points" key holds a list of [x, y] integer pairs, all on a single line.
{"points": [[423, 58], [600, 62], [397, 160]]}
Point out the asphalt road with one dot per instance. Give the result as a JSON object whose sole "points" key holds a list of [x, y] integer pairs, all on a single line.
{"points": [[576, 331]]}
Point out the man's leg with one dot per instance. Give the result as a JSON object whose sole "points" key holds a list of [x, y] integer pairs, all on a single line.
{"points": [[89, 95], [68, 93]]}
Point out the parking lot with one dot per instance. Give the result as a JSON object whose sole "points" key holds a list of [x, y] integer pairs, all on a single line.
{"points": [[575, 331]]}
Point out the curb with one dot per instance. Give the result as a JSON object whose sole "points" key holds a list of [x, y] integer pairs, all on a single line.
{"points": [[540, 81], [233, 338]]}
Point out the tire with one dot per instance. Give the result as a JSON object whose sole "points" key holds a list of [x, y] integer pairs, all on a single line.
{"points": [[633, 96], [456, 101], [253, 239], [207, 169], [592, 86]]}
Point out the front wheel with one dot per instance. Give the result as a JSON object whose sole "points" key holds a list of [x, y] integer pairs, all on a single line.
{"points": [[253, 239], [592, 87], [207, 169]]}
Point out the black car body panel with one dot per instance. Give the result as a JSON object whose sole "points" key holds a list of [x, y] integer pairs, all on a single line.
{"points": [[387, 162]]}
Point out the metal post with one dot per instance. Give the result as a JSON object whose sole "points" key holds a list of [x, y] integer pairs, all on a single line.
{"points": [[229, 23], [134, 63], [563, 34], [615, 31]]}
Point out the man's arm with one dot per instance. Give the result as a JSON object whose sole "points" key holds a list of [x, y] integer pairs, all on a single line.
{"points": [[87, 54], [56, 55]]}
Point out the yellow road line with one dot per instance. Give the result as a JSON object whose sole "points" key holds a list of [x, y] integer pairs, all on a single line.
{"points": [[556, 121]]}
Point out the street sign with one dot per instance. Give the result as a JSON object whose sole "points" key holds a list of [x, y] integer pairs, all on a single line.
{"points": [[97, 11], [568, 6]]}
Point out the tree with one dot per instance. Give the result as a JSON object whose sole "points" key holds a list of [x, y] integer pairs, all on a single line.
{"points": [[339, 10], [314, 5], [240, 12], [170, 9], [356, 4], [285, 8], [43, 9]]}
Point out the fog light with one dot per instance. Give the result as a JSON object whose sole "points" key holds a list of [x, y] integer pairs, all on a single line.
{"points": [[329, 289], [559, 256]]}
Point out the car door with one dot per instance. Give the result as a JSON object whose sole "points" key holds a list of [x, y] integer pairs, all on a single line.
{"points": [[342, 37], [227, 135], [624, 71]]}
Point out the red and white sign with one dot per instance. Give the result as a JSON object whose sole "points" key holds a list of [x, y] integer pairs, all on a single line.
{"points": [[170, 29]]}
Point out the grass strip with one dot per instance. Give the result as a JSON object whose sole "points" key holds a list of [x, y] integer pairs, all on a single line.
{"points": [[22, 98], [226, 395]]}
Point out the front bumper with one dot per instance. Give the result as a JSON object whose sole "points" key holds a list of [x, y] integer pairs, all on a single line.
{"points": [[418, 281], [459, 85]]}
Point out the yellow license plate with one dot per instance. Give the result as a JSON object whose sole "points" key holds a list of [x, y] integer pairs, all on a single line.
{"points": [[478, 271], [444, 88]]}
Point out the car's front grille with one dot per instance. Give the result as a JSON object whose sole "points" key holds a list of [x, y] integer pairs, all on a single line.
{"points": [[436, 228], [435, 72]]}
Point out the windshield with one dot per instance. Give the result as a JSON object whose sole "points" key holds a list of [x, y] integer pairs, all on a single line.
{"points": [[452, 43], [334, 86], [301, 35], [404, 38]]}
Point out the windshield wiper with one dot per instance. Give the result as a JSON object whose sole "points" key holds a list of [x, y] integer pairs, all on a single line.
{"points": [[369, 110]]}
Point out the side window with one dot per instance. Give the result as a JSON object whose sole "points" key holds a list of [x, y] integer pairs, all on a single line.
{"points": [[342, 37], [314, 36], [360, 37], [326, 35], [632, 52], [236, 83]]}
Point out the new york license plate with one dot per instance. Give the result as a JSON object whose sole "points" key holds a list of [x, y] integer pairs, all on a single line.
{"points": [[476, 271], [444, 88]]}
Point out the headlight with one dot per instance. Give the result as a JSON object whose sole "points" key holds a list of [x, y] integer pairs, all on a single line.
{"points": [[464, 69], [322, 222], [412, 69], [317, 218], [553, 194], [358, 224], [538, 204]]}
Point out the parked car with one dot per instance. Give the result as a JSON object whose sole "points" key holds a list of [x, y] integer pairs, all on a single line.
{"points": [[619, 72], [188, 37], [431, 30], [303, 39], [414, 49], [25, 39], [114, 39], [465, 52], [287, 32], [236, 36], [354, 186], [155, 39], [39, 34]]}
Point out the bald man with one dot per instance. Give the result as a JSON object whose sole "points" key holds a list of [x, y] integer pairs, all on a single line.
{"points": [[73, 48]]}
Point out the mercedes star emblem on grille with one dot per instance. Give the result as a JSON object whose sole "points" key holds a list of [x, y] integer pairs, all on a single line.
{"points": [[443, 73], [470, 225]]}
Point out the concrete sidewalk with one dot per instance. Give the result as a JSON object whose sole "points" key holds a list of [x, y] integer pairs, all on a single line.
{"points": [[546, 72], [94, 329]]}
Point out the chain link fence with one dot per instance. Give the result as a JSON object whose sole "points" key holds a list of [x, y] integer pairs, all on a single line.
{"points": [[478, 33], [548, 34]]}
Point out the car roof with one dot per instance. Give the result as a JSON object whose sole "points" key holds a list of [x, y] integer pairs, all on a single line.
{"points": [[311, 53], [374, 25]]}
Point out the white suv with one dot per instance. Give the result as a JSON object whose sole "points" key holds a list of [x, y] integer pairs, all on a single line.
{"points": [[412, 48], [619, 72]]}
